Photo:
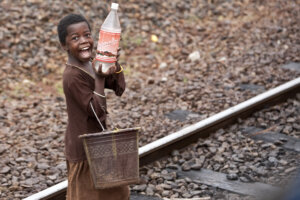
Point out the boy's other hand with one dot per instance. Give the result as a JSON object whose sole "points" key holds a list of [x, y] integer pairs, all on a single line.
{"points": [[98, 67], [111, 69], [118, 54]]}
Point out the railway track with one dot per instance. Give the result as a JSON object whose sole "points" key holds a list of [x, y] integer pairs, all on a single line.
{"points": [[167, 145]]}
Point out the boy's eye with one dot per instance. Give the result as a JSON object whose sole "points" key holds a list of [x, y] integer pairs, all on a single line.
{"points": [[75, 38], [88, 35]]}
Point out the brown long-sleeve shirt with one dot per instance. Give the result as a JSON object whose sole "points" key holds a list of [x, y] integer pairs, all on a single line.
{"points": [[79, 88]]}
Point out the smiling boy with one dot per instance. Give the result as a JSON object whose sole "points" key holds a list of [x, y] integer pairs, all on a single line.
{"points": [[84, 86]]}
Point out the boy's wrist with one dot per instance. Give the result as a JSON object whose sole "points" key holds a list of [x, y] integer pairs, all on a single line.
{"points": [[119, 68]]}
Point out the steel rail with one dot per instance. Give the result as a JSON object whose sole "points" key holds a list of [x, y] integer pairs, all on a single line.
{"points": [[185, 136]]}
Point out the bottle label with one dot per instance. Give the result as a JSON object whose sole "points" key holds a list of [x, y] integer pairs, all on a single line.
{"points": [[107, 47]]}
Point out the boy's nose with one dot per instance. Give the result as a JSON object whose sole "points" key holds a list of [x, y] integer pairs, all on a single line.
{"points": [[82, 40]]}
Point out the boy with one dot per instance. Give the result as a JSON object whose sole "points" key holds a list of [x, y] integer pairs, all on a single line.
{"points": [[84, 86]]}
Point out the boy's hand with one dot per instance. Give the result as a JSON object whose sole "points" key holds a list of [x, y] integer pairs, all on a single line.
{"points": [[118, 54], [102, 70]]}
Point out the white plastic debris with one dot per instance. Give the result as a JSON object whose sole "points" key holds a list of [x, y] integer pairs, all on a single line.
{"points": [[194, 56]]}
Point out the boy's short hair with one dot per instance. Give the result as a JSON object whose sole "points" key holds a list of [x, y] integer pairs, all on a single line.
{"points": [[67, 21]]}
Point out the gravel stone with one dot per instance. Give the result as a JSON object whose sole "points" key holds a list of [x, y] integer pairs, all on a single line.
{"points": [[232, 177], [5, 170]]}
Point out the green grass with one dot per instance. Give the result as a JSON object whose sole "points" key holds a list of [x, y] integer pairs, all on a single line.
{"points": [[128, 40], [59, 88], [137, 41], [127, 71], [21, 89], [185, 80], [192, 19]]}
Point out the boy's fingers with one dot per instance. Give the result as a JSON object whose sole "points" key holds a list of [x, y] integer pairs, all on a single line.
{"points": [[112, 69], [98, 68], [118, 54]]}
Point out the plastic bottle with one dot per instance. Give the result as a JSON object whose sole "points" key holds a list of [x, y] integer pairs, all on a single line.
{"points": [[109, 38]]}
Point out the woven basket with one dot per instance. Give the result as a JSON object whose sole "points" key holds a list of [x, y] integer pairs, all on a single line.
{"points": [[113, 157]]}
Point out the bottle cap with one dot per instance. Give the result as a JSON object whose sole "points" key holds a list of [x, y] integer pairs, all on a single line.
{"points": [[114, 6]]}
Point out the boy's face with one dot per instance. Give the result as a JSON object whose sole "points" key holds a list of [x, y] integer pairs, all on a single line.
{"points": [[79, 42]]}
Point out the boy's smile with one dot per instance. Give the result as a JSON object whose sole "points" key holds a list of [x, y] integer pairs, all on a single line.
{"points": [[79, 42]]}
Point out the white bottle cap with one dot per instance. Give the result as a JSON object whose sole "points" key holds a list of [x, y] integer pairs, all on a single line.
{"points": [[114, 6]]}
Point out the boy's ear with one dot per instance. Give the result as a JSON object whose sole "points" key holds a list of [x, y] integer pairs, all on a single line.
{"points": [[64, 47]]}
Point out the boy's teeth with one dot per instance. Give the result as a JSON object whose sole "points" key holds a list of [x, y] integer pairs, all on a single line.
{"points": [[86, 48]]}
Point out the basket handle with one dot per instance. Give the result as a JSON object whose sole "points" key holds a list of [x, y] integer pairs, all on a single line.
{"points": [[112, 124], [97, 117]]}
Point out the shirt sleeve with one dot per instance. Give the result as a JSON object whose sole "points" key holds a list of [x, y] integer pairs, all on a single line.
{"points": [[116, 82], [81, 93]]}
